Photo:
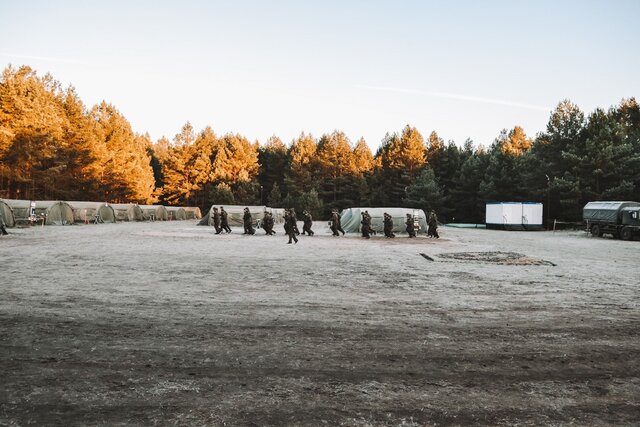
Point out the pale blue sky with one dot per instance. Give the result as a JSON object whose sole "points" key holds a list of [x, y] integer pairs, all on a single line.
{"points": [[466, 69]]}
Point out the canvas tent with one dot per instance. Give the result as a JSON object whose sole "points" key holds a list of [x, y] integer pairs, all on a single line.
{"points": [[127, 212], [55, 212], [6, 214], [155, 212], [235, 214], [193, 212], [92, 211], [350, 219], [21, 208], [514, 215], [175, 212]]}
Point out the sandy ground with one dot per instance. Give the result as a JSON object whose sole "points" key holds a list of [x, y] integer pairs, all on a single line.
{"points": [[168, 324]]}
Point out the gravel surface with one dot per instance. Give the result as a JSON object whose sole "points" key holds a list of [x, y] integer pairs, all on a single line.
{"points": [[166, 323]]}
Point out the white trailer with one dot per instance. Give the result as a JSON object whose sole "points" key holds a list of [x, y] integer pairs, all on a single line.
{"points": [[514, 215]]}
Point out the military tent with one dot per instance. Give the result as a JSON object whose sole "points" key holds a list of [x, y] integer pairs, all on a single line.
{"points": [[155, 212], [350, 219], [128, 212], [21, 208], [6, 214], [93, 212], [193, 212], [236, 214], [175, 212], [55, 212]]}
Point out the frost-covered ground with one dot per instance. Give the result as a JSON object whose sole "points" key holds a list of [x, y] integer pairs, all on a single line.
{"points": [[167, 323]]}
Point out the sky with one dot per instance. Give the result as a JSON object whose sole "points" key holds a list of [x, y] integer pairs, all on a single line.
{"points": [[466, 69]]}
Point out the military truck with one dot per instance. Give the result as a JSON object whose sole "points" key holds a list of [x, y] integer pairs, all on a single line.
{"points": [[620, 219]]}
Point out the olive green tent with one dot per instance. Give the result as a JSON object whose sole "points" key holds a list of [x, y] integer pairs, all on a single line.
{"points": [[85, 212], [193, 212], [350, 219], [155, 212], [55, 212], [128, 212], [6, 214], [21, 209], [176, 212]]}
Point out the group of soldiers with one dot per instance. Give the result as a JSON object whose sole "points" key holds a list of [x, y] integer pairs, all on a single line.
{"points": [[410, 223], [221, 223], [221, 220], [291, 224]]}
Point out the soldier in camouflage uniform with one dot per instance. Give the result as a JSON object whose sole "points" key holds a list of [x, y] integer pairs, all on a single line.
{"points": [[224, 220], [216, 220], [432, 222], [290, 225], [247, 221], [335, 219], [388, 225], [294, 221], [308, 222], [267, 223], [366, 225]]}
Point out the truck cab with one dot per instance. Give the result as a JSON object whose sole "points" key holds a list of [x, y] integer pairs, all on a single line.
{"points": [[630, 216]]}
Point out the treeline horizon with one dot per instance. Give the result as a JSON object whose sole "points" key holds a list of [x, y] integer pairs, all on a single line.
{"points": [[53, 147]]}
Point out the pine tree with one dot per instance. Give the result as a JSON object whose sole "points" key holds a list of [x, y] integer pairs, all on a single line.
{"points": [[556, 152], [424, 193], [301, 174], [126, 169], [336, 166], [363, 158], [275, 196], [273, 159]]}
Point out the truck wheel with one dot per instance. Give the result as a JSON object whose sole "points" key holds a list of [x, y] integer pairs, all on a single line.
{"points": [[595, 231], [626, 233]]}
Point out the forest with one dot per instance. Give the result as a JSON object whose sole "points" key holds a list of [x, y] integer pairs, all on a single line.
{"points": [[53, 146]]}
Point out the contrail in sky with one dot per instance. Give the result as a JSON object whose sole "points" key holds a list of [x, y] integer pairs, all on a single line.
{"points": [[460, 97]]}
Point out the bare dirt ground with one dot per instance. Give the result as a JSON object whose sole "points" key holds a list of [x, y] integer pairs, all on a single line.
{"points": [[168, 324]]}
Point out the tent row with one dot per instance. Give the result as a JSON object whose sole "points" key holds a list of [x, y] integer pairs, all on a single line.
{"points": [[64, 213]]}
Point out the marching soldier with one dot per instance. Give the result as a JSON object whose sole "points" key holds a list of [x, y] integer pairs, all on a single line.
{"points": [[371, 230], [433, 225], [294, 221], [335, 220], [307, 223], [224, 220], [366, 225], [216, 220], [388, 225], [410, 226], [247, 221], [290, 225], [267, 223]]}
